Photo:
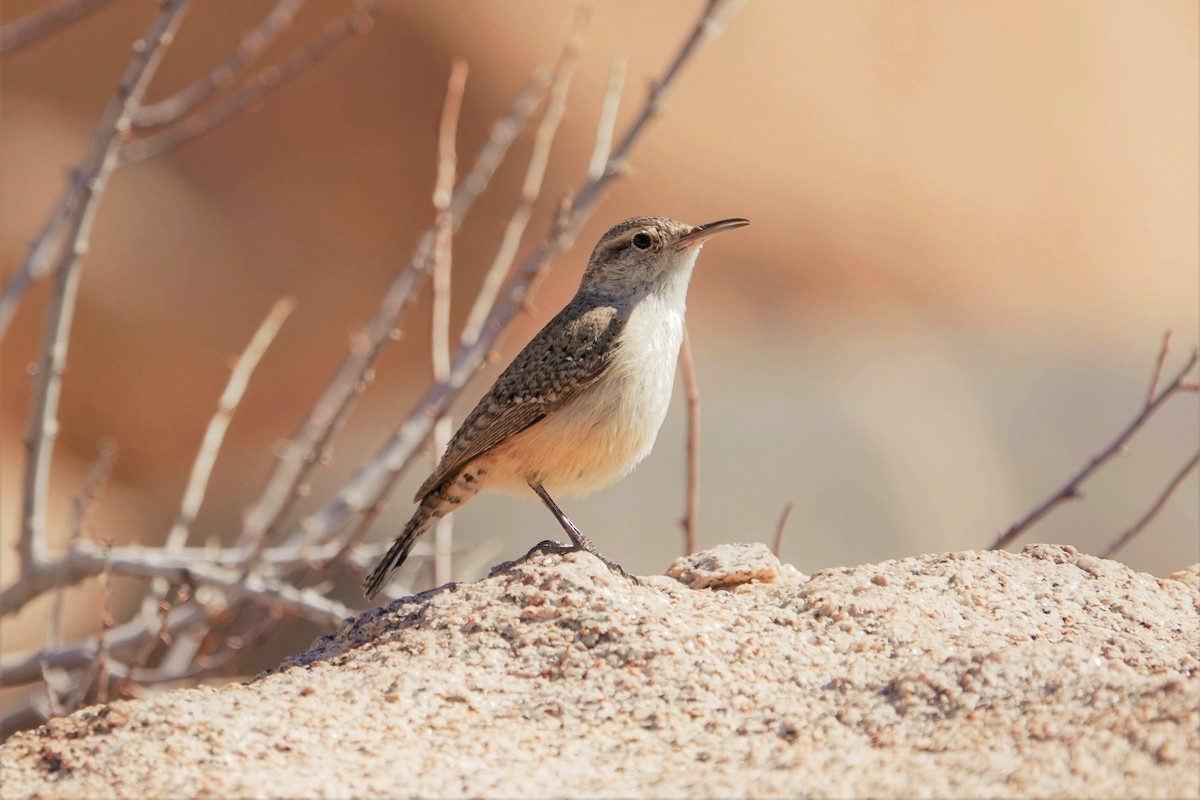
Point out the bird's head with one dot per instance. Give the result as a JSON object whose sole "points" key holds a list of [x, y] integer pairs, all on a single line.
{"points": [[644, 254]]}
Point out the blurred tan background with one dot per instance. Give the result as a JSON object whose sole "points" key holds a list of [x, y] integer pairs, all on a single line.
{"points": [[971, 225]]}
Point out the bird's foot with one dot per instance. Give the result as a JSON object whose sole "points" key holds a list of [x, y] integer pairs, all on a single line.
{"points": [[549, 546]]}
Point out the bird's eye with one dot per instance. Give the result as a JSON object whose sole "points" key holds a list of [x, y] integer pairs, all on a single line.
{"points": [[642, 241]]}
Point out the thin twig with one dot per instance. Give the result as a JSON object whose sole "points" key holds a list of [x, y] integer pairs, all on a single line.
{"points": [[1128, 536], [440, 335], [357, 20], [23, 668], [210, 445], [98, 165], [366, 491], [106, 624], [48, 239], [312, 441], [85, 560], [1159, 363], [1070, 490], [252, 44], [531, 188], [780, 527], [29, 29], [214, 434], [187, 565], [712, 21], [93, 484], [608, 118], [691, 510], [42, 247]]}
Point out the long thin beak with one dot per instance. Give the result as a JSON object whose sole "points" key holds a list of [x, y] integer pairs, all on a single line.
{"points": [[701, 233]]}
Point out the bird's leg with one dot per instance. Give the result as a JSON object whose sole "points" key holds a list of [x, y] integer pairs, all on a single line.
{"points": [[579, 541]]}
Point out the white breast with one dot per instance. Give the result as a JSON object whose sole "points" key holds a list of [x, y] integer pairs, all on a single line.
{"points": [[600, 435]]}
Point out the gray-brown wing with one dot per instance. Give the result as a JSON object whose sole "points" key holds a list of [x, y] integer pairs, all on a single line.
{"points": [[566, 357]]}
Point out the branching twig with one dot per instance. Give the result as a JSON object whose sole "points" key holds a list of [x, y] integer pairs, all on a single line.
{"points": [[96, 478], [710, 24], [1128, 536], [77, 209], [199, 90], [357, 20], [106, 624], [366, 491], [210, 446], [440, 335], [93, 484], [608, 118], [1070, 490], [29, 29], [214, 434], [535, 171], [23, 668], [76, 198], [691, 510], [312, 441], [85, 560], [1159, 363]]}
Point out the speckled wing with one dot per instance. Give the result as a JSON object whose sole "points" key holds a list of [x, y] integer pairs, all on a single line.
{"points": [[566, 357]]}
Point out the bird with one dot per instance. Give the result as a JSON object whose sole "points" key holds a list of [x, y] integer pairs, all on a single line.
{"points": [[582, 403]]}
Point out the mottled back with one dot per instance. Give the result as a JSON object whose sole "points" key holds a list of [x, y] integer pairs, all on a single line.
{"points": [[565, 358]]}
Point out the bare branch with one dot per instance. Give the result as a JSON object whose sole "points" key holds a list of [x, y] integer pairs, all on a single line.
{"points": [[86, 560], [23, 668], [691, 510], [368, 488], [312, 441], [1156, 378], [93, 484], [440, 335], [96, 478], [214, 434], [253, 43], [712, 21], [1128, 536], [1070, 490], [608, 118], [106, 624], [153, 604], [357, 20], [535, 171], [29, 29], [780, 527], [80, 202]]}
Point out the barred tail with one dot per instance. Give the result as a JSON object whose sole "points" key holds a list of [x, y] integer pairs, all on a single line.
{"points": [[432, 508]]}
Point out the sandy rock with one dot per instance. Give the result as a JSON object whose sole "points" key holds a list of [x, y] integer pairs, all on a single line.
{"points": [[728, 565], [967, 674]]}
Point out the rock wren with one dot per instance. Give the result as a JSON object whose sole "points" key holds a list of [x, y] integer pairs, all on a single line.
{"points": [[582, 403]]}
